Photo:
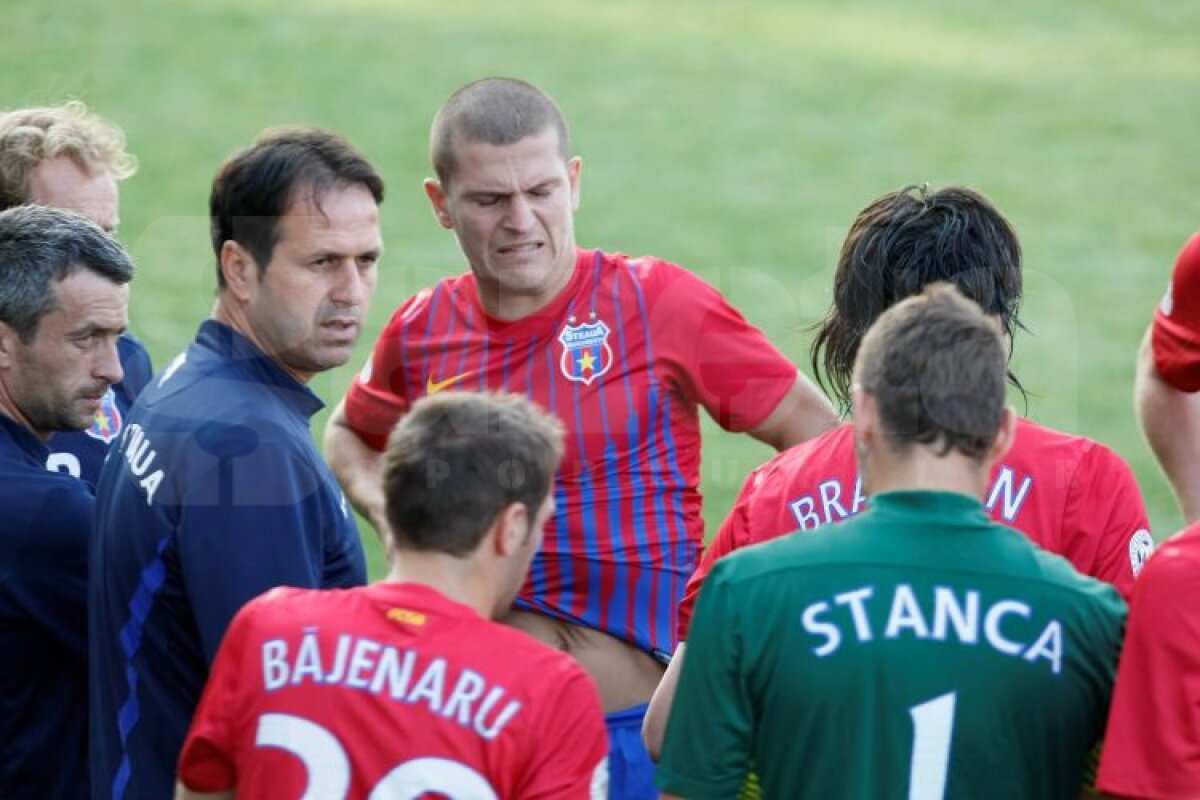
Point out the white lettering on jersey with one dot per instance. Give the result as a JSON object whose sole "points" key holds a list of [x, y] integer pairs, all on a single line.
{"points": [[366, 665], [830, 491], [1141, 545], [905, 615], [827, 505], [856, 600], [140, 455], [946, 608], [955, 615], [1003, 488], [64, 462], [819, 627]]}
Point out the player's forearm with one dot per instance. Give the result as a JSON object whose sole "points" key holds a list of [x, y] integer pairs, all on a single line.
{"points": [[803, 413], [654, 725], [1170, 420], [358, 469]]}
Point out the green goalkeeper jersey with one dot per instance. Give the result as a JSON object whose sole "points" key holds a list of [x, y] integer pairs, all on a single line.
{"points": [[917, 651]]}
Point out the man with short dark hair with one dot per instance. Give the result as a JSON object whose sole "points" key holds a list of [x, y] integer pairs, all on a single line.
{"points": [[918, 649], [65, 157], [63, 304], [216, 492], [625, 350], [410, 685]]}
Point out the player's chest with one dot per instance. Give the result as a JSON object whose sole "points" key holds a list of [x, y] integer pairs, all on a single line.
{"points": [[589, 357], [597, 369]]}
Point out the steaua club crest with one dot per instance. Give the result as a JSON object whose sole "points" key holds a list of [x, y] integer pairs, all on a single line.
{"points": [[108, 422], [586, 354]]}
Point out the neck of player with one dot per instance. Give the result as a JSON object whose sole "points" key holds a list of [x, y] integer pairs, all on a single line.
{"points": [[459, 579], [922, 469]]}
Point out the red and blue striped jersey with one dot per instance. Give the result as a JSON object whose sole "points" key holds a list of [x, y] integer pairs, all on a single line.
{"points": [[624, 356]]}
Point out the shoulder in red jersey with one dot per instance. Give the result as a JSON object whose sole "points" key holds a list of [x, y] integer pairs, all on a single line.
{"points": [[1175, 332]]}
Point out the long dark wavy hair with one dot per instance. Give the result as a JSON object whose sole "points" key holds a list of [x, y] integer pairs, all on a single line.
{"points": [[898, 245]]}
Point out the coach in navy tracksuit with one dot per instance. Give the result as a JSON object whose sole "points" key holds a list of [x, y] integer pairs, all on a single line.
{"points": [[63, 304], [215, 491]]}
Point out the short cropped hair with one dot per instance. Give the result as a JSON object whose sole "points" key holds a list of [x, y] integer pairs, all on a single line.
{"points": [[495, 111], [256, 186], [41, 245], [898, 245], [936, 366], [458, 459], [30, 136]]}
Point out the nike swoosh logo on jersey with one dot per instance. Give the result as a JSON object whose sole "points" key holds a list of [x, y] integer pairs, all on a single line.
{"points": [[432, 387]]}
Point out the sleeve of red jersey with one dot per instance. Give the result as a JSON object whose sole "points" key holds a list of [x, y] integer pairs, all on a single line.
{"points": [[1152, 745], [717, 358], [377, 396], [576, 766], [1105, 525], [207, 763], [733, 533], [1175, 333]]}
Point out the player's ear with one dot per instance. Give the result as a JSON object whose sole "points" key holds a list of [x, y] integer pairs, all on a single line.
{"points": [[437, 198], [239, 269], [865, 413], [1005, 436], [9, 342], [512, 526], [574, 171]]}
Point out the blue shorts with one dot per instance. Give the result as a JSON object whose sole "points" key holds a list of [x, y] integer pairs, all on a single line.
{"points": [[630, 770]]}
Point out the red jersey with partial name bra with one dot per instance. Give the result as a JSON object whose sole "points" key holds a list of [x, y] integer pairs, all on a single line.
{"points": [[1070, 495]]}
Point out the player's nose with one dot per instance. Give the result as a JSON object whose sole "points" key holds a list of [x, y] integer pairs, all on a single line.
{"points": [[352, 284], [108, 363], [520, 213]]}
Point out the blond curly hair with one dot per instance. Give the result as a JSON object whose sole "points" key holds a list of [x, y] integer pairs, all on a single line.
{"points": [[29, 136]]}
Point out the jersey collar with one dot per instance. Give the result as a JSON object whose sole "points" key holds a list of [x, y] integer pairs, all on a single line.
{"points": [[929, 504], [244, 355]]}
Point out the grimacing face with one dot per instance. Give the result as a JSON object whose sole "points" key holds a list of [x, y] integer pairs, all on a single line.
{"points": [[307, 309], [512, 208], [56, 381]]}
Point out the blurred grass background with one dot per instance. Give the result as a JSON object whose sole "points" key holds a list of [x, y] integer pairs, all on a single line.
{"points": [[738, 139]]}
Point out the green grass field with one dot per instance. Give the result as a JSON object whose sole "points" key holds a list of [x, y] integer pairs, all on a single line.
{"points": [[738, 139]]}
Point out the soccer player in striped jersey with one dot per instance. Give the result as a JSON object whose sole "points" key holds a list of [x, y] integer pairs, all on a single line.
{"points": [[624, 350], [919, 649], [64, 157], [1067, 493]]}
